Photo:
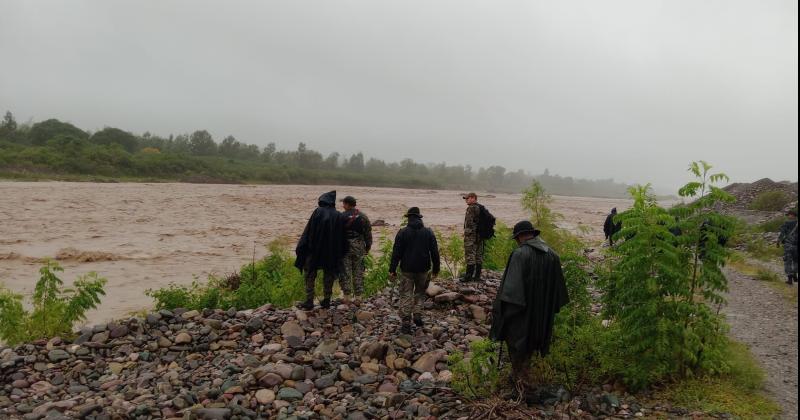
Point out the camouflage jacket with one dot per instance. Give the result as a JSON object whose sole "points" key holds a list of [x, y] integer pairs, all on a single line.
{"points": [[471, 220], [357, 225]]}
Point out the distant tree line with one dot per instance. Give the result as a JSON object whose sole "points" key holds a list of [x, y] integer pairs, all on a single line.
{"points": [[54, 148]]}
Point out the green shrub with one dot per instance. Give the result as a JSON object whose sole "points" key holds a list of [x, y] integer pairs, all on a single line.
{"points": [[55, 309], [662, 287], [376, 276], [499, 248], [770, 201], [476, 374], [273, 279], [451, 252], [773, 225]]}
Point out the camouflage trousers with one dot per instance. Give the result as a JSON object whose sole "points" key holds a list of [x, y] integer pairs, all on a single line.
{"points": [[412, 292], [473, 249], [352, 279], [790, 259], [328, 278]]}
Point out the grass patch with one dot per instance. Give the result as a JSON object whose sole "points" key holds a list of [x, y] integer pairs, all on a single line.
{"points": [[773, 225], [770, 201], [740, 392], [741, 264]]}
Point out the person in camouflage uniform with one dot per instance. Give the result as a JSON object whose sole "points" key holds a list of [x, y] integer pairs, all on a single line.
{"points": [[473, 243], [358, 231], [788, 238]]}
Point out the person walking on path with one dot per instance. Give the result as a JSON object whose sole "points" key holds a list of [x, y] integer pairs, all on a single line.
{"points": [[322, 246], [788, 238], [531, 292], [417, 253], [358, 232], [610, 228], [473, 243]]}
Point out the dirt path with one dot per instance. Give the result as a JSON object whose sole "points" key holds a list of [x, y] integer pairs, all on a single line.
{"points": [[763, 319]]}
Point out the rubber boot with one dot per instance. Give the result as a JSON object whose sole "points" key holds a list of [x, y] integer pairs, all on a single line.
{"points": [[325, 303], [468, 274], [476, 275], [791, 279], [307, 305], [418, 320]]}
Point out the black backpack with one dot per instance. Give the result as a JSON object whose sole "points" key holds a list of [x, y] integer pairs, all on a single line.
{"points": [[485, 223]]}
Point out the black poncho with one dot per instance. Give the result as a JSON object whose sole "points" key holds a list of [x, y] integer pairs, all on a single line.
{"points": [[531, 293], [323, 239]]}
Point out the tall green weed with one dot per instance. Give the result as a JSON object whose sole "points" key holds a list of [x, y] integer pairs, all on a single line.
{"points": [[55, 309]]}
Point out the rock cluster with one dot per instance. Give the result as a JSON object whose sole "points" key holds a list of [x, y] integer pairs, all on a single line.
{"points": [[350, 362], [746, 193]]}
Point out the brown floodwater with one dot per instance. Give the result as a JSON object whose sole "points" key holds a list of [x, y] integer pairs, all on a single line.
{"points": [[145, 235]]}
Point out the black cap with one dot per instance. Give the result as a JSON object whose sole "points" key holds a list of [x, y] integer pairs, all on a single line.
{"points": [[349, 200], [413, 211], [524, 227]]}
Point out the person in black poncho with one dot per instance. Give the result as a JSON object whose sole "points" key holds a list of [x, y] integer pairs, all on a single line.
{"points": [[322, 247], [531, 293]]}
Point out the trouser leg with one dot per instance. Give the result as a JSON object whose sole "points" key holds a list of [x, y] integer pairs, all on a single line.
{"points": [[310, 279], [345, 278], [328, 279], [406, 288], [421, 281], [520, 367]]}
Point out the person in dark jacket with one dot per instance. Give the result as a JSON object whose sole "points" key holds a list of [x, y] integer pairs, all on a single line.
{"points": [[321, 247], [417, 253], [531, 292], [788, 238], [610, 228]]}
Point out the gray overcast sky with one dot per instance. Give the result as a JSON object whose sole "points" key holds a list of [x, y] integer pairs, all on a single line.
{"points": [[632, 90]]}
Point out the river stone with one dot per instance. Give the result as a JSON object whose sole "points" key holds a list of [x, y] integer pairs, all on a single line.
{"points": [[478, 313], [213, 413], [292, 329], [289, 394], [190, 314], [265, 396], [326, 348], [253, 325], [270, 379], [427, 362], [57, 355], [434, 290], [447, 297], [183, 338], [118, 331]]}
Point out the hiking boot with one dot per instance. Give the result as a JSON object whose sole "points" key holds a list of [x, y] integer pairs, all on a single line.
{"points": [[467, 277], [476, 275], [791, 279], [405, 328], [307, 305], [418, 320], [325, 303]]}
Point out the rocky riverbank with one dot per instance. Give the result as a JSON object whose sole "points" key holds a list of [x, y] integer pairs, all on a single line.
{"points": [[347, 362]]}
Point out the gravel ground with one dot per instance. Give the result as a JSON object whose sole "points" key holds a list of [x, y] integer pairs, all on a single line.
{"points": [[763, 319]]}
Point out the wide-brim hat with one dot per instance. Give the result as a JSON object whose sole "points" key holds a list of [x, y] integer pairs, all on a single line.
{"points": [[524, 227], [413, 211]]}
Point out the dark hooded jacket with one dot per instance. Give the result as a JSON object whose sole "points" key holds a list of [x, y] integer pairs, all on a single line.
{"points": [[323, 239], [415, 249], [609, 227], [531, 293]]}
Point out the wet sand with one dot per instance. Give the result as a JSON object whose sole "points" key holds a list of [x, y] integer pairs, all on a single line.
{"points": [[143, 236]]}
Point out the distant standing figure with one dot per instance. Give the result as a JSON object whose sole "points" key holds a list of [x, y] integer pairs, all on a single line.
{"points": [[610, 228], [473, 243], [358, 231], [322, 246], [788, 238], [417, 253], [532, 291]]}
